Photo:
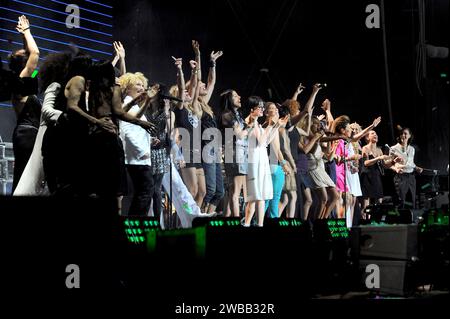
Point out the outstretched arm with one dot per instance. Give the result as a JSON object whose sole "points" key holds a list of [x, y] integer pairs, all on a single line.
{"points": [[364, 132], [23, 26]]}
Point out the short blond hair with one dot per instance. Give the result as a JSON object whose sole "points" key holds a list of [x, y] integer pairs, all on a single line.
{"points": [[129, 79]]}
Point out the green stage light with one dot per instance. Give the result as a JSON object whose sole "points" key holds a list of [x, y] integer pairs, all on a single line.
{"points": [[443, 75]]}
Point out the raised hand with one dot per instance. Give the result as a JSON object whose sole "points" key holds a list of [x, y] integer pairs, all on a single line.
{"points": [[23, 24], [196, 47], [120, 50], [178, 62], [216, 55], [299, 89], [317, 87], [321, 117], [326, 105], [376, 121], [193, 64]]}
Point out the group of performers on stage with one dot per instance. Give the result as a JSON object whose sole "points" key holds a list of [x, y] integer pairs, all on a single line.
{"points": [[98, 123]]}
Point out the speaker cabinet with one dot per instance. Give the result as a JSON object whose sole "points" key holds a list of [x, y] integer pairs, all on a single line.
{"points": [[386, 241]]}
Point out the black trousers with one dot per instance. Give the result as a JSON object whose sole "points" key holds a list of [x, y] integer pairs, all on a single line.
{"points": [[405, 183], [142, 179], [157, 194]]}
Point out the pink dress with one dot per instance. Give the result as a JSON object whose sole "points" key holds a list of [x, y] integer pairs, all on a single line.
{"points": [[351, 183]]}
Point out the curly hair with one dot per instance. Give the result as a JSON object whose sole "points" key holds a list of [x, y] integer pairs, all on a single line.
{"points": [[292, 105], [339, 123], [54, 69], [356, 127], [127, 80]]}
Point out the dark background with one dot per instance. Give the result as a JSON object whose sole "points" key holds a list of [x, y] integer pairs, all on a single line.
{"points": [[297, 41], [308, 42]]}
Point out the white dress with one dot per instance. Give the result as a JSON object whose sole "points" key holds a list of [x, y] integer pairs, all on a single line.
{"points": [[316, 170], [259, 177], [352, 179], [32, 181]]}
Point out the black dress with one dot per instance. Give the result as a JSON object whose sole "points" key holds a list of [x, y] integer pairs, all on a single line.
{"points": [[185, 119], [371, 182]]}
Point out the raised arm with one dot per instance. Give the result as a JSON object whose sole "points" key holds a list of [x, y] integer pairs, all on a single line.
{"points": [[180, 80], [298, 90], [195, 103], [308, 106], [23, 26], [211, 75], [120, 56], [326, 106], [366, 130], [194, 77], [196, 47]]}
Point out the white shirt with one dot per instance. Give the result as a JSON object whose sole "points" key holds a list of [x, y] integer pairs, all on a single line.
{"points": [[408, 157], [136, 140]]}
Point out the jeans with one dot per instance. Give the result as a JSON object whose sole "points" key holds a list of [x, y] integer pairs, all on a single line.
{"points": [[214, 183], [277, 182], [141, 176]]}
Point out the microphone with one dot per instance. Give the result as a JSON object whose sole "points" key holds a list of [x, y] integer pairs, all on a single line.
{"points": [[170, 97]]}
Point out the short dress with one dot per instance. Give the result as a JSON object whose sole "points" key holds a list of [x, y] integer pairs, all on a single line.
{"points": [[316, 170], [371, 180], [347, 179]]}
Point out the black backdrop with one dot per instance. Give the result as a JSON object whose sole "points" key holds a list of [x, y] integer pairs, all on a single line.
{"points": [[303, 41]]}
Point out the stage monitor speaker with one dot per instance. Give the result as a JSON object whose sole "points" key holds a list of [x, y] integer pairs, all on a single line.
{"points": [[395, 276], [386, 241]]}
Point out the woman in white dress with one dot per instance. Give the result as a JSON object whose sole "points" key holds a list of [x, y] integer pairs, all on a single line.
{"points": [[53, 73], [259, 179]]}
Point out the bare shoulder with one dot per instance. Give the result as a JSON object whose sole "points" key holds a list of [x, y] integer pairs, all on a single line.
{"points": [[76, 81]]}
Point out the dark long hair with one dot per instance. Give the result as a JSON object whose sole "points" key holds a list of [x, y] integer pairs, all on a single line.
{"points": [[17, 61], [54, 69], [102, 79]]}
